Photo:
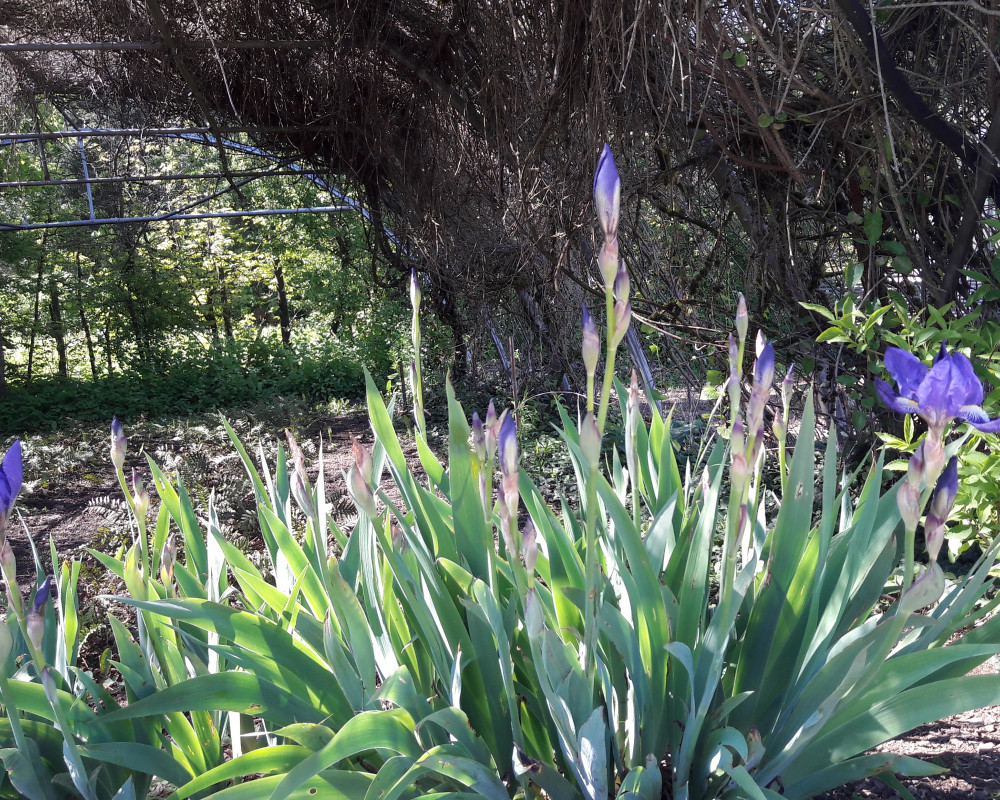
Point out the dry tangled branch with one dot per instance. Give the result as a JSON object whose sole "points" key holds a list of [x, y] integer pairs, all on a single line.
{"points": [[754, 138]]}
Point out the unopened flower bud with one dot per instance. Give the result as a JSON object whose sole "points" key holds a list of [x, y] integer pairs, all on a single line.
{"points": [[492, 430], [168, 558], [508, 445], [925, 590], [908, 502], [933, 539], [763, 371], [415, 293], [362, 458], [8, 563], [787, 385], [478, 438], [633, 393], [607, 194], [623, 316], [119, 444], [742, 318], [623, 286], [35, 622], [607, 260], [915, 468], [529, 547], [734, 363], [632, 424], [591, 343], [140, 496], [944, 493], [590, 440], [941, 504], [361, 492], [738, 473], [738, 436], [759, 343]]}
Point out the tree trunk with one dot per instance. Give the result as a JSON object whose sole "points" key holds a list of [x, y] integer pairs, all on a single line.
{"points": [[38, 296], [107, 343], [227, 312], [283, 316], [83, 317], [58, 326]]}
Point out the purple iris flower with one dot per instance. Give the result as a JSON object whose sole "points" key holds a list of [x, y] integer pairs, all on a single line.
{"points": [[946, 390], [11, 476]]}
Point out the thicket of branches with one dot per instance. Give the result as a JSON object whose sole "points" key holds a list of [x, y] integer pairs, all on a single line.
{"points": [[763, 145]]}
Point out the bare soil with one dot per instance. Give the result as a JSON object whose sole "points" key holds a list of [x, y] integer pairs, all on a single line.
{"points": [[69, 512]]}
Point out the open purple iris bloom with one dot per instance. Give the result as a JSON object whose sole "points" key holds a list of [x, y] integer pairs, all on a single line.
{"points": [[946, 390], [11, 476]]}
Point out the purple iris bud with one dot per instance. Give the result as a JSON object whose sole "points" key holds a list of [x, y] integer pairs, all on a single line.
{"points": [[118, 443], [949, 389], [591, 342], [508, 446], [763, 371], [742, 318], [42, 595], [478, 438], [11, 477], [623, 286], [607, 194], [945, 491]]}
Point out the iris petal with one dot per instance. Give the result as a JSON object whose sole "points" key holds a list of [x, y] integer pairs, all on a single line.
{"points": [[906, 369], [973, 414], [934, 395], [901, 404], [989, 426], [965, 380], [11, 476]]}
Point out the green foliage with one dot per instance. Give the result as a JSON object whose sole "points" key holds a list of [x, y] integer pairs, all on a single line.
{"points": [[867, 331], [198, 380]]}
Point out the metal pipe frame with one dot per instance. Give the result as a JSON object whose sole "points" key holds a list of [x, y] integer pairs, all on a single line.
{"points": [[15, 137], [194, 44], [80, 223], [170, 176]]}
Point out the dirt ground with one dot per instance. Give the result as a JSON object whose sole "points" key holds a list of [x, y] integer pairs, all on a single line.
{"points": [[73, 515]]}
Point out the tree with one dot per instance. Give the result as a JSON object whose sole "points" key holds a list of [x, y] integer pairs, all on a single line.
{"points": [[764, 147]]}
